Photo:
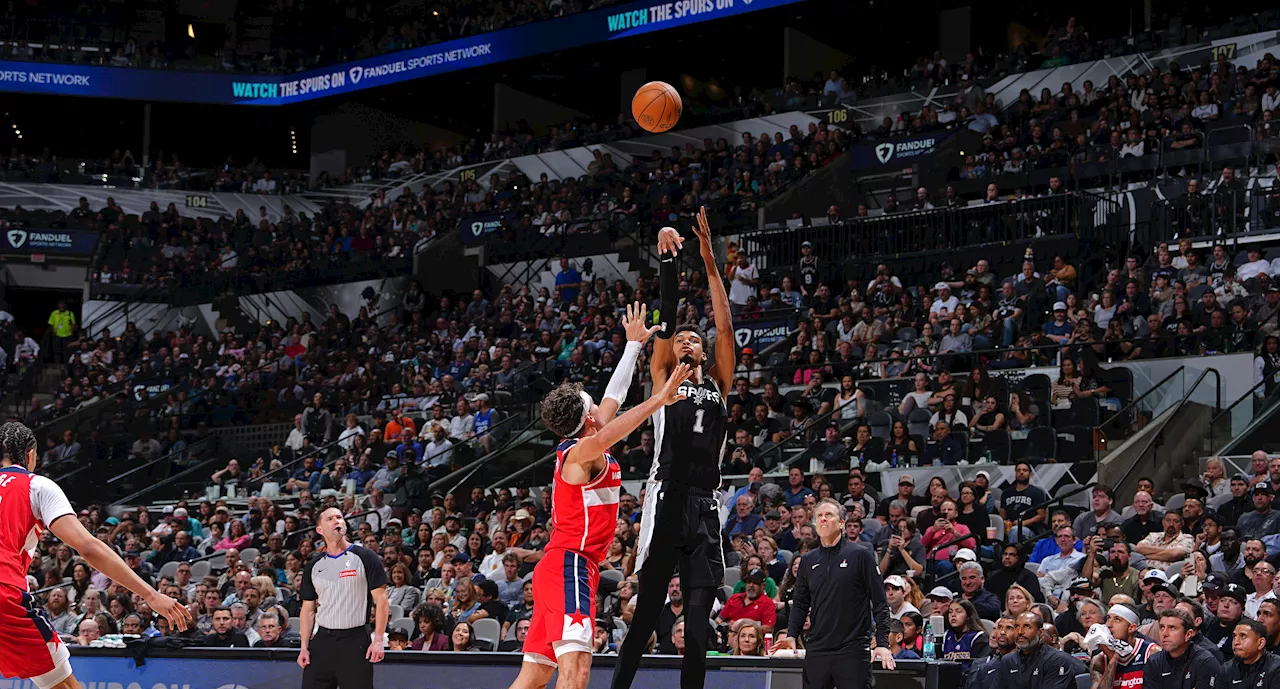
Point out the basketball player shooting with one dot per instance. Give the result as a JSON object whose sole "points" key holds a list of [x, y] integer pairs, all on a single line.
{"points": [[680, 523], [28, 505], [584, 512]]}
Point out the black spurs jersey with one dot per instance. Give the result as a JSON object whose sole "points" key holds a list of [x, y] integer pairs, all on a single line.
{"points": [[688, 437]]}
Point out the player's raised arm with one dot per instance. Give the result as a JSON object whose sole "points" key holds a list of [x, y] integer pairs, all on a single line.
{"points": [[722, 371], [593, 446], [664, 357], [638, 333]]}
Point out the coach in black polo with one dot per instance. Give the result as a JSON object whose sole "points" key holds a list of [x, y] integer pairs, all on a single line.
{"points": [[337, 585]]}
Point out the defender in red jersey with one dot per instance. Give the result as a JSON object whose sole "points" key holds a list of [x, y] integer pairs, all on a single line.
{"points": [[584, 511], [29, 505]]}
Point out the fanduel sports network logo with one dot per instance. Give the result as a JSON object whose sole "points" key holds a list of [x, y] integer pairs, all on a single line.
{"points": [[17, 238], [742, 336], [884, 152], [355, 73], [477, 228]]}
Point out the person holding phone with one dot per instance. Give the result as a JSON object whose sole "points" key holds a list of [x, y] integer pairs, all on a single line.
{"points": [[904, 550]]}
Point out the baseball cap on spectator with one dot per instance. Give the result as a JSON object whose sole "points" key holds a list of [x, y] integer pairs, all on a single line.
{"points": [[132, 553], [965, 554], [941, 593], [1235, 591], [1080, 585], [168, 509], [391, 453], [757, 575], [1193, 490], [906, 478], [112, 521], [1155, 574], [773, 514], [941, 286], [397, 635], [984, 474], [460, 557], [1261, 487], [222, 508], [522, 515], [1059, 306], [748, 350], [395, 520], [896, 581], [1214, 582], [806, 243], [1240, 477]]}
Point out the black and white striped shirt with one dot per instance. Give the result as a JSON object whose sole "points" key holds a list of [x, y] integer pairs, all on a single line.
{"points": [[340, 585]]}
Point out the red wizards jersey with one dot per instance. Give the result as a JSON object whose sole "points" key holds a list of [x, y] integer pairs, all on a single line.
{"points": [[584, 517], [28, 503]]}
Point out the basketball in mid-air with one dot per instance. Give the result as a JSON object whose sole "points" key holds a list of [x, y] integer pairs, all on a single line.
{"points": [[656, 106]]}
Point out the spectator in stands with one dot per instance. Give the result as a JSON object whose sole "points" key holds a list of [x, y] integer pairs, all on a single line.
{"points": [[1023, 503], [224, 633], [1163, 549], [943, 448], [1263, 520], [1086, 523]]}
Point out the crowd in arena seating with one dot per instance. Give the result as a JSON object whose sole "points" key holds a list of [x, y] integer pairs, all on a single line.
{"points": [[990, 552]]}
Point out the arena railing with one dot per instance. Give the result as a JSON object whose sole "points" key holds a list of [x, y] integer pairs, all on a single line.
{"points": [[928, 231]]}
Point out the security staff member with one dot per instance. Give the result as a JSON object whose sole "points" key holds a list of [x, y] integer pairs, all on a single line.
{"points": [[1252, 667], [839, 586], [1034, 665], [336, 587], [1182, 664]]}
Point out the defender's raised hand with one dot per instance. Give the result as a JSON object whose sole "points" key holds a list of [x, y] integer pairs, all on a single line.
{"points": [[634, 323], [671, 390], [703, 228]]}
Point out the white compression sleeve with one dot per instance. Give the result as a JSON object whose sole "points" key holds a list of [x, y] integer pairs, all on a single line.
{"points": [[620, 381]]}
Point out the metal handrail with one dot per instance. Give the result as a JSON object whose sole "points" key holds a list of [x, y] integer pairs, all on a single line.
{"points": [[482, 460], [522, 471], [1217, 391], [1121, 413], [153, 462]]}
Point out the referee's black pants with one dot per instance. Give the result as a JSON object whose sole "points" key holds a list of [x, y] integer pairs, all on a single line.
{"points": [[337, 660], [837, 670]]}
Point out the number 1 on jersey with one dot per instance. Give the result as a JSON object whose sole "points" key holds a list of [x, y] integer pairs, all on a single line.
{"points": [[697, 420]]}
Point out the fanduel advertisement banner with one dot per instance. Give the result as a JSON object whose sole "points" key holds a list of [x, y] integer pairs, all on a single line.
{"points": [[67, 242], [760, 333], [476, 230], [902, 152], [574, 31]]}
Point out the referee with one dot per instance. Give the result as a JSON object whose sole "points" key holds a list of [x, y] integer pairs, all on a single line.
{"points": [[337, 585], [839, 586]]}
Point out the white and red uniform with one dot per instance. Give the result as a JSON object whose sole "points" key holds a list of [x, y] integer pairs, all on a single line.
{"points": [[30, 648], [583, 520]]}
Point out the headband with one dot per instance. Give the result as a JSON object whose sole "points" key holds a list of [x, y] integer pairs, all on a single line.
{"points": [[586, 409], [1124, 613]]}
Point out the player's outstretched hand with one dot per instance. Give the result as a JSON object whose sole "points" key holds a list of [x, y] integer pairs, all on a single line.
{"points": [[633, 323], [703, 228], [883, 655], [671, 391], [178, 615], [669, 240]]}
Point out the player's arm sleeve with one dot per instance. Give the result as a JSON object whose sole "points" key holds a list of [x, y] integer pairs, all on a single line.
{"points": [[799, 602], [48, 502], [668, 294], [308, 589], [879, 604], [374, 571]]}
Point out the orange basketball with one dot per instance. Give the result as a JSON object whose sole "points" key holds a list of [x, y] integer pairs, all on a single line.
{"points": [[656, 106]]}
